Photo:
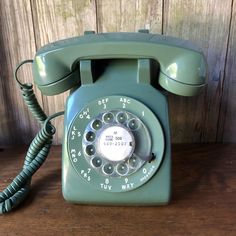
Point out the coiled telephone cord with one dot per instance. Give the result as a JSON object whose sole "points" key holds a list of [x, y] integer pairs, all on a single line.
{"points": [[37, 153]]}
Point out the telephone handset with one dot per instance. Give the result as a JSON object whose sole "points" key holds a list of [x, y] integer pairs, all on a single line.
{"points": [[182, 65], [116, 145]]}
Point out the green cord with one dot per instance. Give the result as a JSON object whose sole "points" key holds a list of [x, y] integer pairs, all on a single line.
{"points": [[37, 153], [29, 96]]}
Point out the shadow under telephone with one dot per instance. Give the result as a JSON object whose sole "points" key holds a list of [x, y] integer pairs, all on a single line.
{"points": [[116, 145]]}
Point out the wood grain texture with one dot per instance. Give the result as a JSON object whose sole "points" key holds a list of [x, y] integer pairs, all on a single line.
{"points": [[227, 124], [16, 44], [131, 15], [206, 23], [26, 25], [55, 20], [203, 203]]}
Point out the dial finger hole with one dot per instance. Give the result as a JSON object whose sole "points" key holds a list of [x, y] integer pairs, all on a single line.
{"points": [[122, 169], [121, 117], [90, 136], [90, 150], [108, 168], [97, 124], [134, 124], [108, 117], [96, 162], [134, 162]]}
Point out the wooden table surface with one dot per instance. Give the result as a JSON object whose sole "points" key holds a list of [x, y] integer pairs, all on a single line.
{"points": [[203, 202]]}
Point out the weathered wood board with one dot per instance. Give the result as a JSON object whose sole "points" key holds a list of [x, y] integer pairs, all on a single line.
{"points": [[26, 25]]}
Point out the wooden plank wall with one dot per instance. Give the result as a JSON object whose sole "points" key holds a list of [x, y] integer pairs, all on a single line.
{"points": [[26, 25]]}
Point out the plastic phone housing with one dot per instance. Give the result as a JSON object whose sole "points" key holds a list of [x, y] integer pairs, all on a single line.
{"points": [[121, 87]]}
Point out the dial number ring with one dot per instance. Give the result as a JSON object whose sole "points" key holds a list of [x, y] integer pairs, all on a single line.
{"points": [[115, 143]]}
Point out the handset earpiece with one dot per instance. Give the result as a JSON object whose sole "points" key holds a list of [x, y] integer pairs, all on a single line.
{"points": [[53, 76], [185, 74]]}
